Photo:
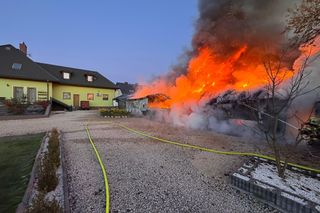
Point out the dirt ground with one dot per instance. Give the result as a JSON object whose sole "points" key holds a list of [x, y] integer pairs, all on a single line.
{"points": [[145, 175]]}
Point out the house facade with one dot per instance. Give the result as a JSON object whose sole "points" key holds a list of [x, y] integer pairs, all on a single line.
{"points": [[23, 79]]}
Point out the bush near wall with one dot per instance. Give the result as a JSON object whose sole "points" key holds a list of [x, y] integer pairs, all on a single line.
{"points": [[113, 112], [44, 104], [16, 107], [47, 180]]}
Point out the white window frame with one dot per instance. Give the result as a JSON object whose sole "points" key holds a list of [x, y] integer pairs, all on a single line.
{"points": [[90, 78], [16, 66], [66, 95], [66, 75]]}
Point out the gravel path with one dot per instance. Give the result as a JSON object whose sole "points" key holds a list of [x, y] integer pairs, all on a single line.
{"points": [[85, 181], [148, 176], [144, 175]]}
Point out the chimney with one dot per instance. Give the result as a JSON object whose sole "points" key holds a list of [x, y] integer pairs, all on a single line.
{"points": [[23, 48]]}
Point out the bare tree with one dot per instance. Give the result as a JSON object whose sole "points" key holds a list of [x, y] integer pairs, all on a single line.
{"points": [[304, 21], [283, 88]]}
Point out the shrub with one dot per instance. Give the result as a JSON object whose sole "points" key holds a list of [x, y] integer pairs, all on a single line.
{"points": [[113, 112], [53, 148], [51, 161], [15, 106], [39, 205], [48, 180], [44, 104]]}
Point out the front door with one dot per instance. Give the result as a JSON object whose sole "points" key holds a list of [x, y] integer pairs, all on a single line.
{"points": [[18, 93], [76, 99], [31, 95]]}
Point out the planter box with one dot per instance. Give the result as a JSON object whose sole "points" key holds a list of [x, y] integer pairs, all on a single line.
{"points": [[298, 193]]}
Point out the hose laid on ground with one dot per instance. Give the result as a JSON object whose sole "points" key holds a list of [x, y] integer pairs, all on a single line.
{"points": [[107, 193], [213, 150]]}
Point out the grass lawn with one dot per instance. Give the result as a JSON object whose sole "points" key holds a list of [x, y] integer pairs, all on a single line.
{"points": [[17, 155]]}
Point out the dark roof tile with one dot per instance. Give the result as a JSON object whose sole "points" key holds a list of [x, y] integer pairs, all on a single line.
{"points": [[29, 70], [78, 76]]}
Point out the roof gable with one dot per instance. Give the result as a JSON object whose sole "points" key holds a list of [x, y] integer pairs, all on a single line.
{"points": [[27, 69]]}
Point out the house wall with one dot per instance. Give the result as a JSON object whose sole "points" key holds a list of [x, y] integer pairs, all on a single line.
{"points": [[118, 93], [6, 87], [59, 89]]}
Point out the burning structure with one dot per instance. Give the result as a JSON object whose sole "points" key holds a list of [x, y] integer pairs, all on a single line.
{"points": [[140, 106], [237, 47]]}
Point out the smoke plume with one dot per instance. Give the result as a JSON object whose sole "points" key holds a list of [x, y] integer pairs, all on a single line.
{"points": [[225, 25], [232, 39]]}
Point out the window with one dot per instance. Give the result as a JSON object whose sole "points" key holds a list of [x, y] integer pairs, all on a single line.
{"points": [[16, 66], [18, 93], [66, 75], [90, 96], [105, 97], [67, 95], [90, 78]]}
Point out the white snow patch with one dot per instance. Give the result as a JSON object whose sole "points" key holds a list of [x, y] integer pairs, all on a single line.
{"points": [[261, 159], [295, 183], [297, 169], [248, 165], [242, 170], [294, 198], [265, 186], [241, 176]]}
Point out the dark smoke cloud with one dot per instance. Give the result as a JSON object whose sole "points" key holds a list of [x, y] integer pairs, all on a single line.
{"points": [[225, 25], [180, 68]]}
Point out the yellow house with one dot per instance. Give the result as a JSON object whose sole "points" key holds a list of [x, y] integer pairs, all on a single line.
{"points": [[23, 79]]}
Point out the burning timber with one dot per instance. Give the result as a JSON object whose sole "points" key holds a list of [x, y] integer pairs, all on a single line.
{"points": [[141, 106], [240, 105], [247, 108], [255, 107], [252, 106]]}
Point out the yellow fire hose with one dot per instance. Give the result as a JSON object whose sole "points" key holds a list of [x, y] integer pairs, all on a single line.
{"points": [[212, 150], [107, 193], [106, 185]]}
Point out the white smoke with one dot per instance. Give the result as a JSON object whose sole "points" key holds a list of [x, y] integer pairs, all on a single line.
{"points": [[203, 117], [224, 25], [199, 115]]}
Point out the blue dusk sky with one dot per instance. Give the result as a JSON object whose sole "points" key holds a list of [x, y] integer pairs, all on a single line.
{"points": [[126, 40]]}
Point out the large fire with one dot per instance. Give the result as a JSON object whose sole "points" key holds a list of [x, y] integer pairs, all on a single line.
{"points": [[208, 75]]}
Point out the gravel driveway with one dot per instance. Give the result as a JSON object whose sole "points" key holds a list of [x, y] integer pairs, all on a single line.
{"points": [[144, 175]]}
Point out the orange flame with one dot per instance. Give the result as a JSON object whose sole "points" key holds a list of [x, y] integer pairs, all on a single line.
{"points": [[208, 74]]}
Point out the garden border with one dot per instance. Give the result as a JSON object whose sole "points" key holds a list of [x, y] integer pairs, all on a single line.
{"points": [[271, 195], [20, 117]]}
